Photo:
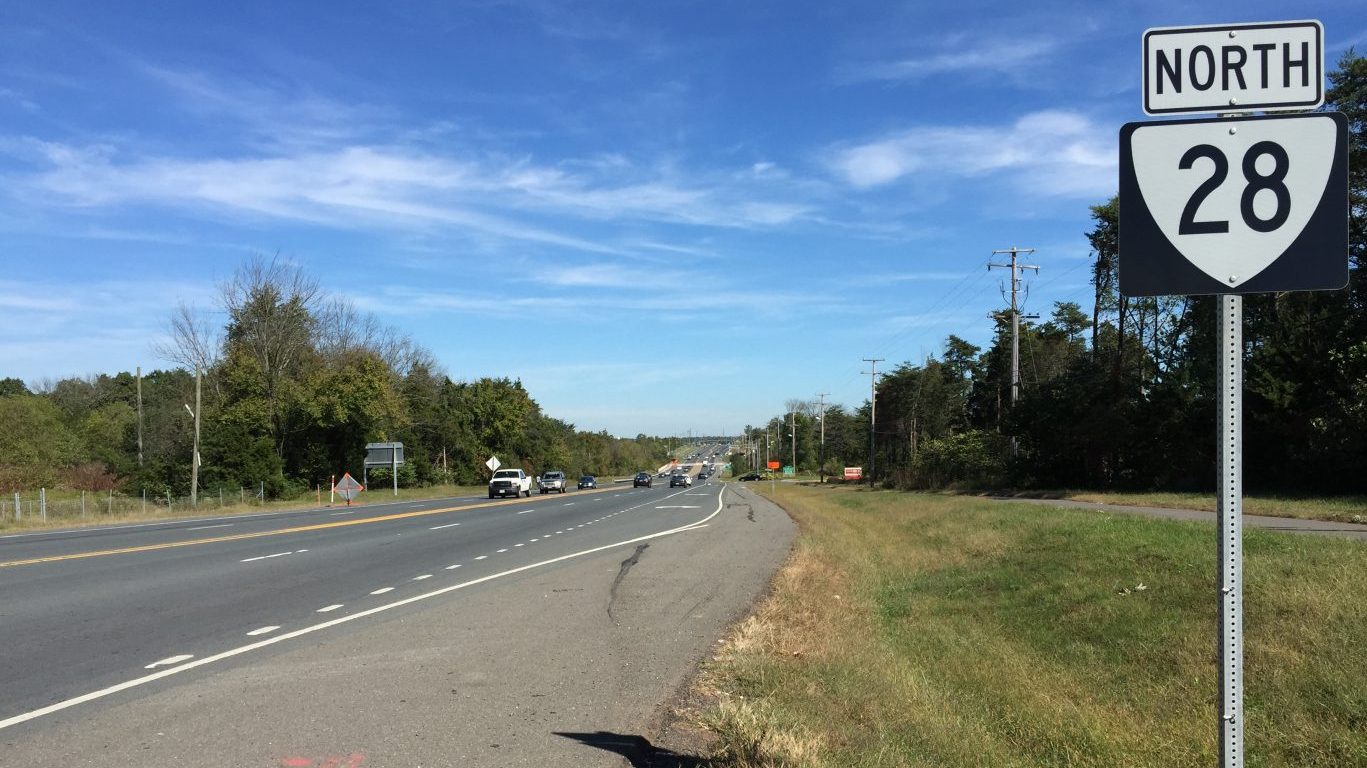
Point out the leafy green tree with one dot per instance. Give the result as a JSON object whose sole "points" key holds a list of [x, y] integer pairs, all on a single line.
{"points": [[35, 443]]}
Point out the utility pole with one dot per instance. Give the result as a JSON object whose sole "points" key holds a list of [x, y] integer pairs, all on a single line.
{"points": [[793, 436], [821, 452], [1016, 269], [139, 416], [873, 407], [194, 459]]}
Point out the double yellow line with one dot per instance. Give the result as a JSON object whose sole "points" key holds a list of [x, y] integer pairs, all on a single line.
{"points": [[260, 534]]}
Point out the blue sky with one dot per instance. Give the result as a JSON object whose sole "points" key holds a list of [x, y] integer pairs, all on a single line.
{"points": [[662, 217]]}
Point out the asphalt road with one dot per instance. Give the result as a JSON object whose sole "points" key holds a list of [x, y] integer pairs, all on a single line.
{"points": [[101, 628]]}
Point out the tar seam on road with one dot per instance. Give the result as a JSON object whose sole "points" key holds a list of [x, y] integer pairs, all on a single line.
{"points": [[622, 574], [139, 681]]}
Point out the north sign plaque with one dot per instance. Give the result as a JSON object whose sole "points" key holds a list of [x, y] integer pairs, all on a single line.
{"points": [[1234, 205], [1234, 67]]}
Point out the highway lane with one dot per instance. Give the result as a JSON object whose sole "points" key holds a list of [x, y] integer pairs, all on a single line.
{"points": [[29, 544], [74, 626]]}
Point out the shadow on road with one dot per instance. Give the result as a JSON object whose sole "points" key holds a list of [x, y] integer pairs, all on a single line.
{"points": [[637, 750]]}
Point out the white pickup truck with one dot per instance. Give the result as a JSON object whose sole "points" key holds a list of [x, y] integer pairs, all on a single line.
{"points": [[510, 482], [553, 480]]}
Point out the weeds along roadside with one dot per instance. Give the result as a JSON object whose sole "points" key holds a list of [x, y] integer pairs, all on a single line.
{"points": [[918, 630]]}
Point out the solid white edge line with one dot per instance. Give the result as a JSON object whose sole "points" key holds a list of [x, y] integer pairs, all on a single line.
{"points": [[145, 679]]}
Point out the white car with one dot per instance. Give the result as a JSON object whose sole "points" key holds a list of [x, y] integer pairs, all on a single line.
{"points": [[510, 482]]}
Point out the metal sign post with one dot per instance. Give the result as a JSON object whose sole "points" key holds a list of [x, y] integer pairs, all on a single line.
{"points": [[1230, 527], [1230, 206]]}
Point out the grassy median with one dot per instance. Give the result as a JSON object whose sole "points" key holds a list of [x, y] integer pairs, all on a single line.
{"points": [[921, 630]]}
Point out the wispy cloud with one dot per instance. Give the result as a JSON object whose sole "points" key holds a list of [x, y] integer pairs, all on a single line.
{"points": [[101, 326], [991, 57], [14, 97], [1059, 153], [281, 113]]}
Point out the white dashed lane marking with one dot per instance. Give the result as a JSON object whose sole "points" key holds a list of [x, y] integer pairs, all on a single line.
{"points": [[424, 576], [501, 551], [439, 527], [482, 557], [382, 590], [262, 631], [452, 567], [329, 608], [169, 661], [277, 554]]}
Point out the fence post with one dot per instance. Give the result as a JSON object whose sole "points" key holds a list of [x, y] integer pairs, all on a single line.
{"points": [[83, 504], [42, 503], [18, 507], [144, 500], [168, 499], [111, 501]]}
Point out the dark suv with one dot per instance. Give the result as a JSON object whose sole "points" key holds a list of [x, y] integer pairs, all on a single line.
{"points": [[642, 478]]}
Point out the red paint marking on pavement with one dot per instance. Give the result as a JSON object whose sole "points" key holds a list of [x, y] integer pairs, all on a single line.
{"points": [[352, 760]]}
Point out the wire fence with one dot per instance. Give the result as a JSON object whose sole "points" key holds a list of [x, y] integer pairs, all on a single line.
{"points": [[44, 505]]}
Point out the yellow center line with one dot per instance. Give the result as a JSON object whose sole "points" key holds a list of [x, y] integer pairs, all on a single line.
{"points": [[260, 534]]}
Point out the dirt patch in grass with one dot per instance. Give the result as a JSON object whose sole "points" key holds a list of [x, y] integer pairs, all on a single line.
{"points": [[1343, 509]]}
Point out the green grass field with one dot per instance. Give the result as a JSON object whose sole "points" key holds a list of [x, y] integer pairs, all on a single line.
{"points": [[929, 630]]}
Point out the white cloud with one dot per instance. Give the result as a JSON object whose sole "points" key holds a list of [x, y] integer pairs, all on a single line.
{"points": [[958, 55], [1055, 152]]}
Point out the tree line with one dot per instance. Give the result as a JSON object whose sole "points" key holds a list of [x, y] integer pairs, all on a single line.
{"points": [[294, 384], [1123, 396]]}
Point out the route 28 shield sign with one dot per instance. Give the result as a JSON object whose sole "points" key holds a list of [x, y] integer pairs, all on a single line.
{"points": [[1234, 205]]}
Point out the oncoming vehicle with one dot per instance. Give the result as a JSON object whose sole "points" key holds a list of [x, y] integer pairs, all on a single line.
{"points": [[642, 478], [683, 480], [553, 480], [588, 481], [510, 482]]}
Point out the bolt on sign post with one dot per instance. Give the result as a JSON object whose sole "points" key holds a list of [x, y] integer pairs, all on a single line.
{"points": [[1229, 206]]}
